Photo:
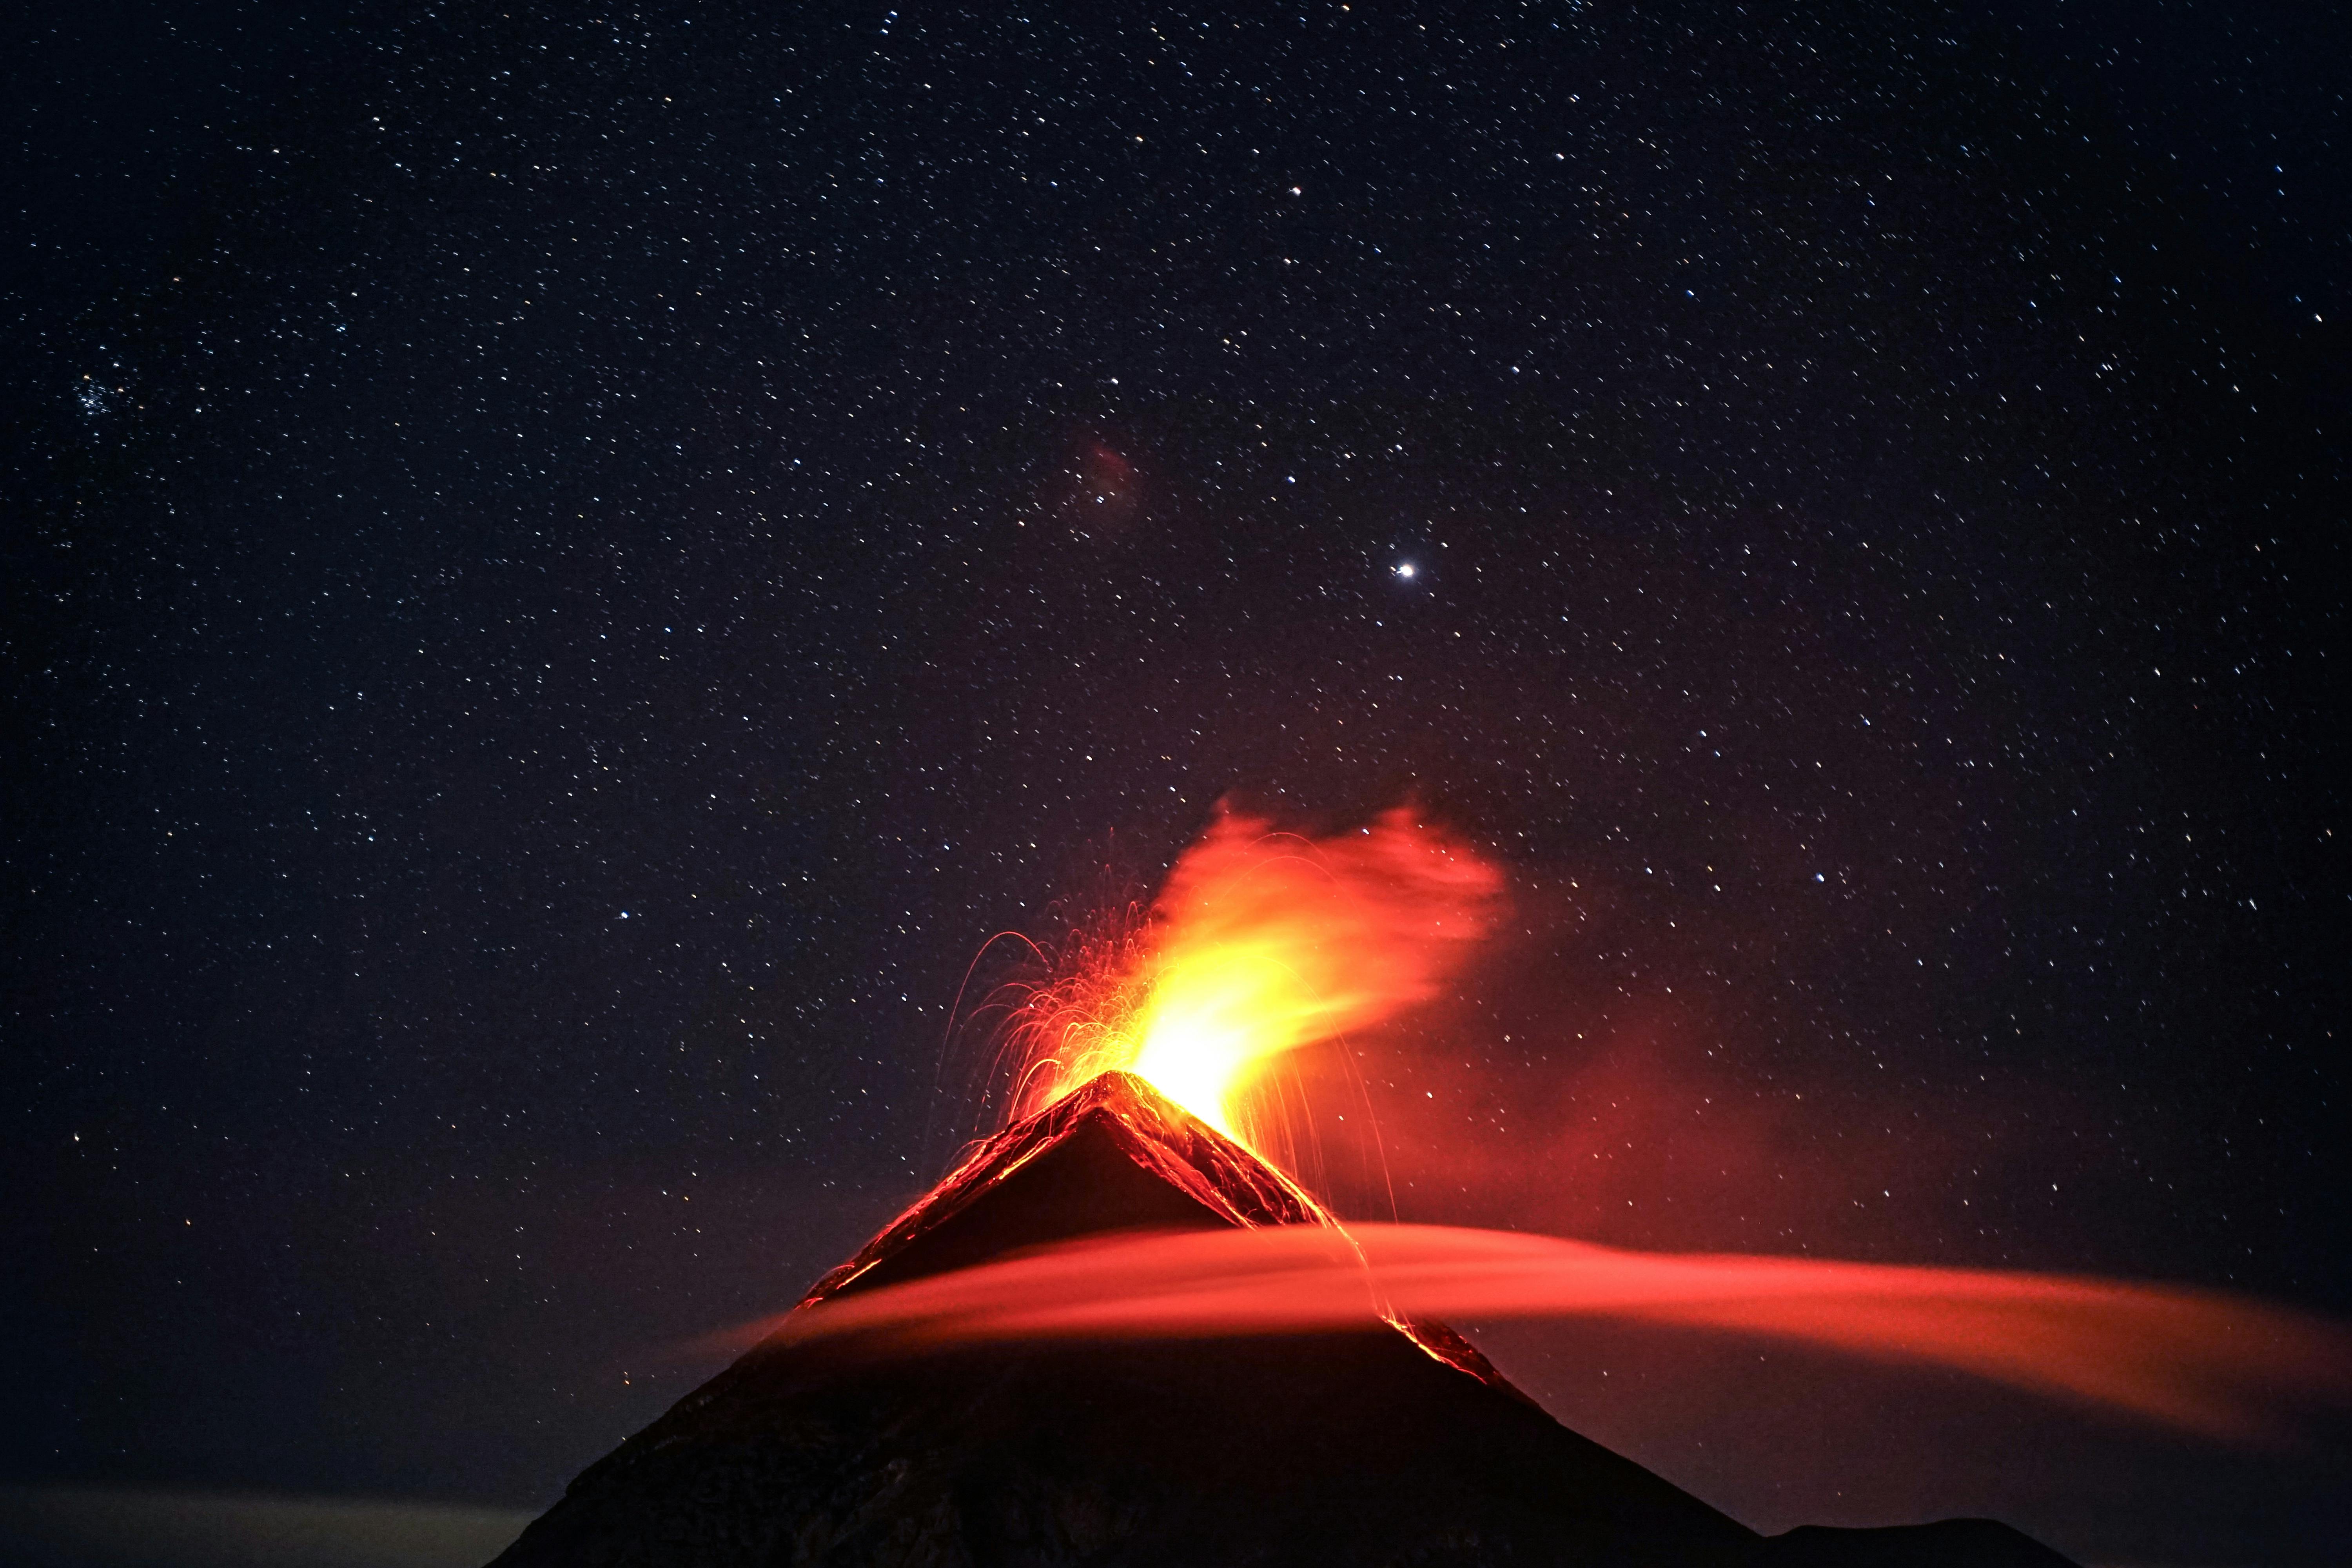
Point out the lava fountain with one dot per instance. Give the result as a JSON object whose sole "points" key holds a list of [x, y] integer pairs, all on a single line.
{"points": [[1260, 944]]}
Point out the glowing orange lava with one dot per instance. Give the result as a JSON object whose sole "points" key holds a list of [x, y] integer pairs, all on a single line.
{"points": [[1258, 945]]}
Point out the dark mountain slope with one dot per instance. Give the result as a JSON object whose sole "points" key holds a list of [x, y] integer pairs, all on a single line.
{"points": [[1374, 1447]]}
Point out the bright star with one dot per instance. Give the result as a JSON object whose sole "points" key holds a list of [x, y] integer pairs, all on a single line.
{"points": [[1405, 569]]}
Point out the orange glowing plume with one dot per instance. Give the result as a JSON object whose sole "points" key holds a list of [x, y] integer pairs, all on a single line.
{"points": [[1259, 943]]}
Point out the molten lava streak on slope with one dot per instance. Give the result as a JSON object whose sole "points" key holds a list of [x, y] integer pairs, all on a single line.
{"points": [[1260, 944]]}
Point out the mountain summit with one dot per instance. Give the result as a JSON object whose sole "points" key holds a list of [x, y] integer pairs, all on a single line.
{"points": [[1386, 1444]]}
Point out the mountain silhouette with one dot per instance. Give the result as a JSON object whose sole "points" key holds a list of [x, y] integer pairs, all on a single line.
{"points": [[1388, 1445]]}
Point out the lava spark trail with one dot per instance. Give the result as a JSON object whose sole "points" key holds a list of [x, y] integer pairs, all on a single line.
{"points": [[2201, 1360]]}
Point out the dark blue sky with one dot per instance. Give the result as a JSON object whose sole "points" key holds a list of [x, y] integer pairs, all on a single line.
{"points": [[564, 572]]}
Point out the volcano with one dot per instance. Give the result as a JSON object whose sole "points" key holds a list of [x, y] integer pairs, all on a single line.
{"points": [[1396, 1443]]}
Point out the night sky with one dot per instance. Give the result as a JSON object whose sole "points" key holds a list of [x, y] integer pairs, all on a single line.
{"points": [[566, 570]]}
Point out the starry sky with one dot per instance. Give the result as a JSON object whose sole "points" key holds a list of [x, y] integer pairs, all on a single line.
{"points": [[566, 569]]}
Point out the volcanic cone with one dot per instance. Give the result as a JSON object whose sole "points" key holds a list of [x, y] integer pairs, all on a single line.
{"points": [[1386, 1444]]}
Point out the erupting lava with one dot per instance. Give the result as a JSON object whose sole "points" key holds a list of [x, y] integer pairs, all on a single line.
{"points": [[1259, 943], [1147, 1055], [1283, 1389], [1262, 943]]}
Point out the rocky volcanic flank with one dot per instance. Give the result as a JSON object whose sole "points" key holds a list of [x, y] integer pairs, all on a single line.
{"points": [[1381, 1446]]}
